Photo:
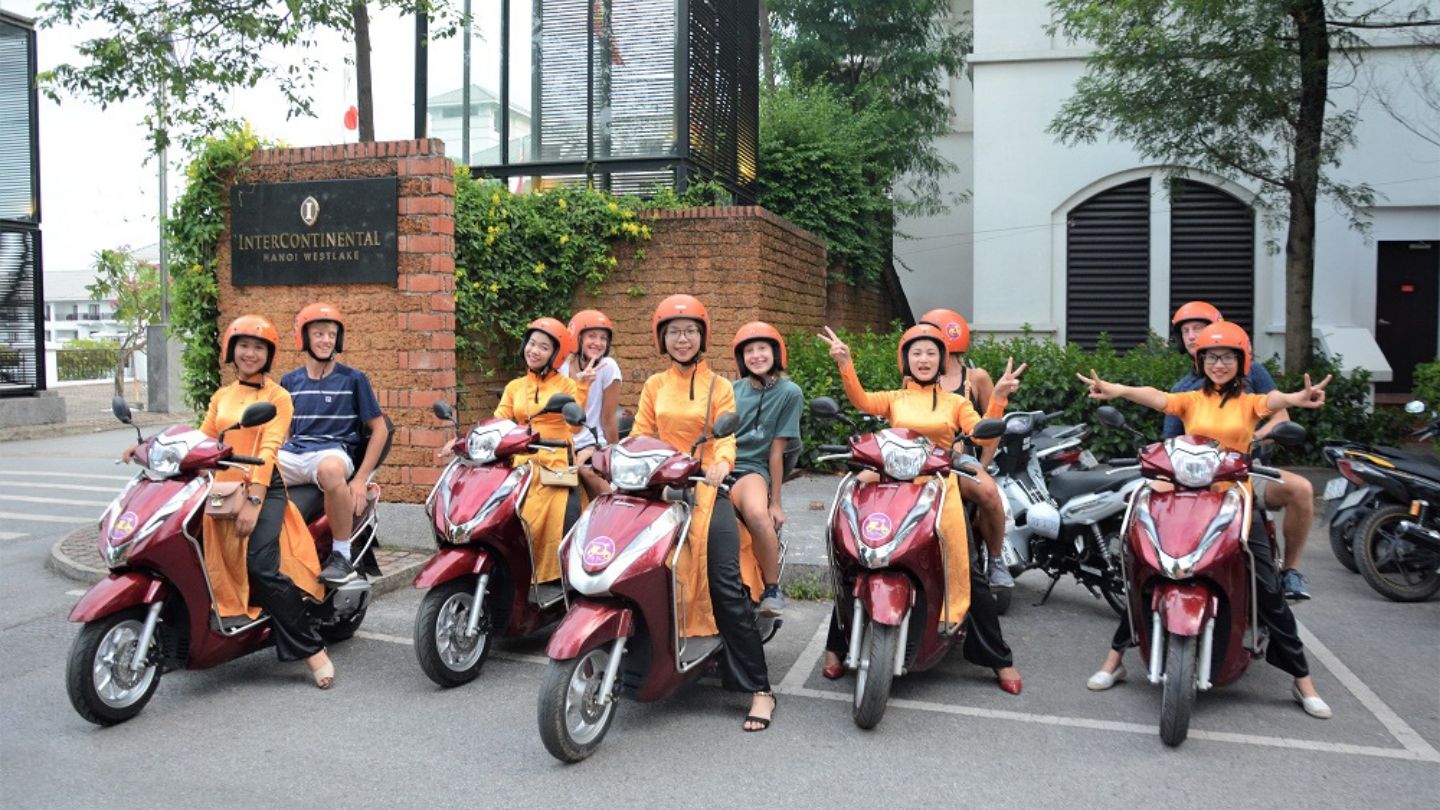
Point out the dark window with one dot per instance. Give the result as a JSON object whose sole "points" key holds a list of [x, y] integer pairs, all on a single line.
{"points": [[1212, 251], [1108, 267]]}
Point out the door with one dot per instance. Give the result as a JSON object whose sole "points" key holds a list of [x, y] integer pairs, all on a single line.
{"points": [[1407, 308]]}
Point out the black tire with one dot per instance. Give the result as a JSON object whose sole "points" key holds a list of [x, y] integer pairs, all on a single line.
{"points": [[445, 655], [1395, 567], [1341, 541], [1178, 698], [100, 653], [875, 673], [1002, 598], [343, 630], [572, 725], [1112, 586]]}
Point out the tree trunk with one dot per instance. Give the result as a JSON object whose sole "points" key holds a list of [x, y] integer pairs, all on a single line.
{"points": [[365, 98], [767, 53], [1314, 44]]}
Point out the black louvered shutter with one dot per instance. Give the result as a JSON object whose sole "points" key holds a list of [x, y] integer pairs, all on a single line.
{"points": [[1107, 267], [1212, 251], [21, 346]]}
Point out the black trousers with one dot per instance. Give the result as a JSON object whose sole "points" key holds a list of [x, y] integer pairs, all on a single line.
{"points": [[291, 623], [744, 668], [1284, 651], [984, 642]]}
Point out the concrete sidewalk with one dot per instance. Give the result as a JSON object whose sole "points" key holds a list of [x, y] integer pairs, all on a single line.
{"points": [[87, 410]]}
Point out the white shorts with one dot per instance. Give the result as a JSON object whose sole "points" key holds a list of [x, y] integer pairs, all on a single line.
{"points": [[304, 468]]}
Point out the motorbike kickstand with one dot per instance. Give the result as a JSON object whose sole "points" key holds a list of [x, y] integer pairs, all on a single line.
{"points": [[1054, 579]]}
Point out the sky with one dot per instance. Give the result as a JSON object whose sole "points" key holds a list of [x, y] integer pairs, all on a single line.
{"points": [[99, 183]]}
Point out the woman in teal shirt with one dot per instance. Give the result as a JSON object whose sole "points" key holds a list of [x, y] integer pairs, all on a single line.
{"points": [[768, 405]]}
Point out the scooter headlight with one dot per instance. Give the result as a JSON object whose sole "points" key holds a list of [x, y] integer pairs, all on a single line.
{"points": [[903, 457], [632, 472], [165, 459], [484, 439], [1194, 464]]}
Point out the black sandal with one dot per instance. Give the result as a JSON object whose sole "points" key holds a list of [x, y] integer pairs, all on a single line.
{"points": [[763, 721]]}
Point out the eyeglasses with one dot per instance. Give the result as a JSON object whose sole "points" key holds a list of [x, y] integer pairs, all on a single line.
{"points": [[691, 333], [1226, 359]]}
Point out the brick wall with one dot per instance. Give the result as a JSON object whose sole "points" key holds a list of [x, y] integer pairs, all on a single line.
{"points": [[856, 308], [743, 262], [402, 336]]}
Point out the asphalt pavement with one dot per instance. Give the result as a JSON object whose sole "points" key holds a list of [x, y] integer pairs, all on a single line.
{"points": [[255, 732]]}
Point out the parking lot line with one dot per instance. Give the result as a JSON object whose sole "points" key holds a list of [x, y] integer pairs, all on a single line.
{"points": [[12, 535], [408, 642], [66, 487], [39, 499], [33, 473], [25, 516]]}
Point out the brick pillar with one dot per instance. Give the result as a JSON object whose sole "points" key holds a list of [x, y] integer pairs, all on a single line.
{"points": [[401, 336]]}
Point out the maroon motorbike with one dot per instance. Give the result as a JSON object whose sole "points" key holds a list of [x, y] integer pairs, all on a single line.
{"points": [[485, 556], [1189, 577], [887, 563], [622, 632], [155, 611]]}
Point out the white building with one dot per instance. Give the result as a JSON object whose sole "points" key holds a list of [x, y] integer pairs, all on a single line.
{"points": [[70, 312], [1070, 241], [447, 118]]}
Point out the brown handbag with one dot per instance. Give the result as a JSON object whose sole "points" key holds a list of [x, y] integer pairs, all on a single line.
{"points": [[225, 499], [562, 477]]}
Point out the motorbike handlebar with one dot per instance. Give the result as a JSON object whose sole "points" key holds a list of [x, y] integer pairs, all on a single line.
{"points": [[830, 449], [1124, 462], [724, 485], [246, 460], [556, 443], [1265, 472]]}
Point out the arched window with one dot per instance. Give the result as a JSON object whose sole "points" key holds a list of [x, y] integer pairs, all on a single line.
{"points": [[1107, 264]]}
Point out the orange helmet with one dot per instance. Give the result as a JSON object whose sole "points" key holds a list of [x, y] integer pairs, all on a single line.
{"points": [[1196, 311], [758, 330], [318, 312], [556, 331], [1223, 335], [680, 306], [256, 326], [920, 331], [953, 325], [592, 319]]}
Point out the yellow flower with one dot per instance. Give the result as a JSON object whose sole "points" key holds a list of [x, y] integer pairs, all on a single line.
{"points": [[544, 286], [613, 207], [563, 204], [494, 286], [628, 214], [564, 237], [614, 261], [495, 198], [490, 240], [474, 285], [539, 268], [645, 231]]}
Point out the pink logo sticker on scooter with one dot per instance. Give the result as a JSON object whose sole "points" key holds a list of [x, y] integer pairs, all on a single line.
{"points": [[124, 526], [598, 552], [876, 527]]}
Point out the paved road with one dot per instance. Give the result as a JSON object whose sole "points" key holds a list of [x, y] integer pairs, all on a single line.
{"points": [[254, 731]]}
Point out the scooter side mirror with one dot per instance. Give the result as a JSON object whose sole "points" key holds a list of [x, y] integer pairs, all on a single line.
{"points": [[442, 410], [725, 425], [1414, 406], [574, 415], [824, 408], [1110, 417], [623, 422], [557, 402], [988, 429], [257, 413], [1288, 434], [121, 410]]}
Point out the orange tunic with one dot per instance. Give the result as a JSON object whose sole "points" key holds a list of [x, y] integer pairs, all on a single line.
{"points": [[937, 415], [544, 507], [1232, 425], [225, 552], [672, 409]]}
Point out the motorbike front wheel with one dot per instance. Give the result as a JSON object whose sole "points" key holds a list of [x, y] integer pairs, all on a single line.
{"points": [[447, 655], [1396, 567], [1178, 698], [573, 720], [102, 686], [875, 673]]}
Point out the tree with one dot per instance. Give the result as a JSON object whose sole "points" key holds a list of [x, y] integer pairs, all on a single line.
{"points": [[134, 286], [1236, 89], [193, 53], [891, 59]]}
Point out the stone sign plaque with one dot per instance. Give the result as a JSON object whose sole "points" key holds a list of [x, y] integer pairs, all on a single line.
{"points": [[321, 232]]}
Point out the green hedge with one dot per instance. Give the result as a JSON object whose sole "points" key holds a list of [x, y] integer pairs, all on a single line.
{"points": [[72, 365], [1050, 385]]}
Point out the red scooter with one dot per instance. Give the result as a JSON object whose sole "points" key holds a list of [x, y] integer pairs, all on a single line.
{"points": [[485, 556], [622, 633], [154, 612], [886, 559], [1189, 579]]}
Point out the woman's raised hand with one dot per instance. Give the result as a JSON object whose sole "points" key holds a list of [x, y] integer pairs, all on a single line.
{"points": [[1009, 382], [838, 350], [1099, 389], [1313, 394], [587, 374]]}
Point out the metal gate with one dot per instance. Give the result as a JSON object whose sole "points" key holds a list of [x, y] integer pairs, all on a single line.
{"points": [[22, 347]]}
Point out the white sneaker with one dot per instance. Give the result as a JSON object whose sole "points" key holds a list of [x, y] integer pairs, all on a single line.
{"points": [[1103, 680], [1313, 706]]}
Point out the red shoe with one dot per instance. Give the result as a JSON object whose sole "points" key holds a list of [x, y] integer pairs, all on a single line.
{"points": [[833, 672], [1012, 687]]}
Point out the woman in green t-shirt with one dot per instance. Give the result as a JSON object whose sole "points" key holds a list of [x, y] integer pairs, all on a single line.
{"points": [[768, 405]]}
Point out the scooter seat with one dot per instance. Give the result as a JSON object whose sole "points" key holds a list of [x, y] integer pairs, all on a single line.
{"points": [[1066, 485], [309, 500]]}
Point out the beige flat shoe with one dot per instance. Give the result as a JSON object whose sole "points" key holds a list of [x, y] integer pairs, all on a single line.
{"points": [[324, 675]]}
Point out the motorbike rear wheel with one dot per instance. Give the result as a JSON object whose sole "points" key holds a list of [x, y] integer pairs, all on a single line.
{"points": [[1397, 568], [446, 655], [875, 673], [1342, 536], [98, 678], [1178, 698], [572, 720]]}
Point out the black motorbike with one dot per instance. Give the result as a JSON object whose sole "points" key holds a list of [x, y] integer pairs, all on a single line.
{"points": [[1382, 515]]}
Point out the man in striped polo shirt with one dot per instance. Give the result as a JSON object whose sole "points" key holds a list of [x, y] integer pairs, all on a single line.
{"points": [[333, 405]]}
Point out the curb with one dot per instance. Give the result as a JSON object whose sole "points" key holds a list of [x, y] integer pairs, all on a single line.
{"points": [[61, 563]]}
